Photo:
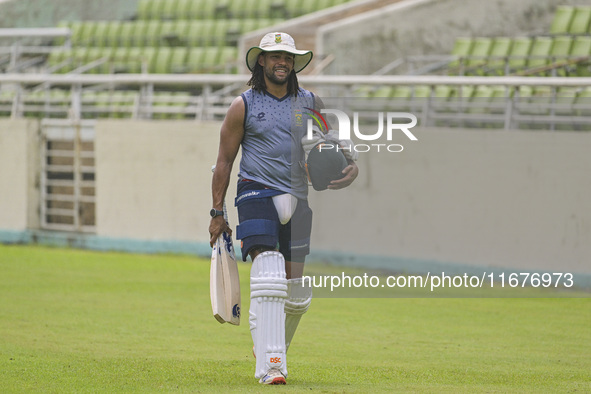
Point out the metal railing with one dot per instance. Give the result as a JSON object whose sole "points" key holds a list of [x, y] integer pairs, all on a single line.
{"points": [[210, 95]]}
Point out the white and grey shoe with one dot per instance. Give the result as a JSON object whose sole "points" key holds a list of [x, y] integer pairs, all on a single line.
{"points": [[273, 376]]}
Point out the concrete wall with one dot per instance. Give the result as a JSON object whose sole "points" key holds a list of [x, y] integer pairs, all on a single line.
{"points": [[427, 27], [47, 13], [154, 179], [517, 199], [19, 169], [475, 197]]}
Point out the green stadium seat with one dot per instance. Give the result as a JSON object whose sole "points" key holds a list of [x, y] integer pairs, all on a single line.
{"points": [[195, 58], [162, 61], [540, 52], [196, 33], [228, 59], [99, 37], [126, 34], [248, 25], [181, 11], [583, 103], [562, 20], [382, 91], [307, 6], [138, 33], [462, 48], [168, 11], [165, 34], [520, 49], [152, 36], [210, 61], [560, 52], [149, 55], [87, 33], [208, 32], [76, 29], [581, 21], [79, 56], [178, 60], [478, 55], [581, 49], [155, 10], [565, 99], [263, 9], [143, 9], [181, 29], [118, 61], [400, 98], [113, 33], [134, 60], [498, 56]]}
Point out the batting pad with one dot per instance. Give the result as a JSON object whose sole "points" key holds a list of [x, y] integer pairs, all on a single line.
{"points": [[297, 303], [268, 291]]}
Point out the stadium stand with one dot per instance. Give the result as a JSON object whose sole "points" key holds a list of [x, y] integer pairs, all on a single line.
{"points": [[166, 37]]}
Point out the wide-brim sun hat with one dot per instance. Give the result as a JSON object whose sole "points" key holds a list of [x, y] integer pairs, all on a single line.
{"points": [[278, 41]]}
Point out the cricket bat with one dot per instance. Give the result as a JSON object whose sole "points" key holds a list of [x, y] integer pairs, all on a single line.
{"points": [[224, 282]]}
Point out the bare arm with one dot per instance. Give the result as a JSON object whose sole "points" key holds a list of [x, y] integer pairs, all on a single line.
{"points": [[231, 135]]}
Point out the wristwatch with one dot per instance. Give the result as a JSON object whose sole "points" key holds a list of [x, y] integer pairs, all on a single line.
{"points": [[214, 212]]}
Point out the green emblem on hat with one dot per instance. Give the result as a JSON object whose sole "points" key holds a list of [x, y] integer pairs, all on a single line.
{"points": [[278, 38]]}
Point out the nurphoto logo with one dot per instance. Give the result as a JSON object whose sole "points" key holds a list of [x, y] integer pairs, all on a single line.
{"points": [[388, 121]]}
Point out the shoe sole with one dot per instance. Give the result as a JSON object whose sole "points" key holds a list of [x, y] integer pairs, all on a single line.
{"points": [[277, 381]]}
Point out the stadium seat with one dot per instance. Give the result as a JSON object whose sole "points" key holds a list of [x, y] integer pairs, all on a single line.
{"points": [[559, 54], [126, 34], [520, 49], [118, 61], [581, 50], [155, 10], [162, 61], [99, 37], [478, 55], [181, 11], [143, 9], [462, 48], [152, 35], [134, 60], [540, 52], [210, 61], [139, 32], [581, 21], [168, 10], [178, 60], [165, 34], [195, 58], [113, 33], [263, 9], [498, 56], [562, 20], [227, 58]]}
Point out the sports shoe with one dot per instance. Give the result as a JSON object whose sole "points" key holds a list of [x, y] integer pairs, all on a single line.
{"points": [[274, 376]]}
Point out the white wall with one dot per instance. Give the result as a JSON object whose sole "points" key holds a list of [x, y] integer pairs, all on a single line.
{"points": [[478, 197], [154, 179], [18, 168]]}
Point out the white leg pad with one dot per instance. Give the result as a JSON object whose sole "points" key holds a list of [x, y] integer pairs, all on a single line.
{"points": [[268, 291], [297, 303]]}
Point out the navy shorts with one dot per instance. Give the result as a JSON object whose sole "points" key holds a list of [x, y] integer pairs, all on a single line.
{"points": [[260, 226]]}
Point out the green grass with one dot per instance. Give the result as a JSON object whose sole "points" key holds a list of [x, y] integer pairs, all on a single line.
{"points": [[80, 321]]}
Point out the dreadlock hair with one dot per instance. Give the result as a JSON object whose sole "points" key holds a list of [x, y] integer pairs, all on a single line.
{"points": [[257, 81]]}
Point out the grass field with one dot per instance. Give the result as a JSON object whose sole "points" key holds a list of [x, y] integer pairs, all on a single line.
{"points": [[80, 321]]}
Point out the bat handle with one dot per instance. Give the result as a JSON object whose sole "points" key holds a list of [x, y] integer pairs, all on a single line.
{"points": [[224, 208]]}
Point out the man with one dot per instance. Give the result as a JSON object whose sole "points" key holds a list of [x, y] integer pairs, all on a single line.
{"points": [[275, 219]]}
